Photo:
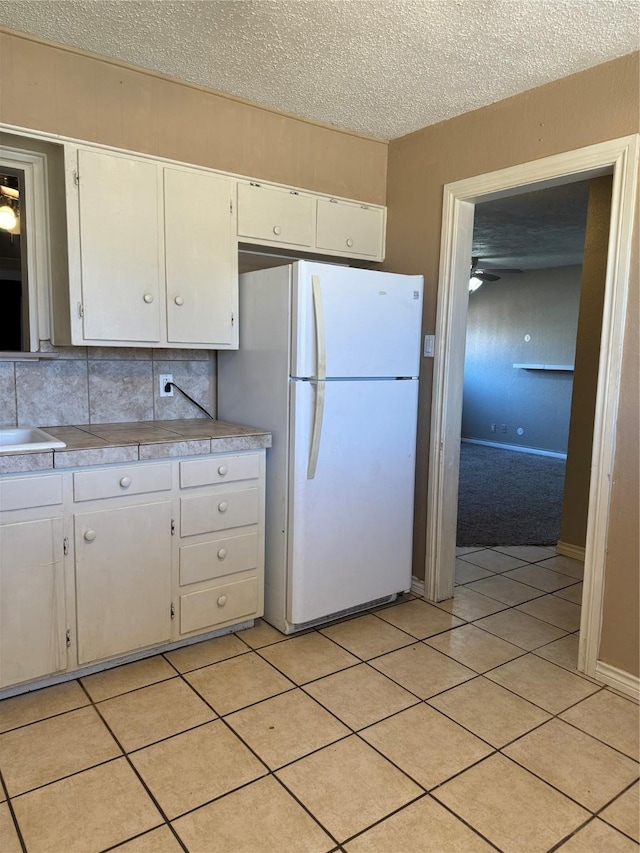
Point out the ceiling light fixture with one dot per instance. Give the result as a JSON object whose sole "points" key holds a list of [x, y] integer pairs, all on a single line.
{"points": [[8, 218], [474, 283]]}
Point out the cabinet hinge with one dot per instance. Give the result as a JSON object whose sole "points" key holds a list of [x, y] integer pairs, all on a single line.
{"points": [[68, 637], [230, 205], [65, 545], [76, 177], [173, 610], [294, 192], [80, 310], [173, 527], [233, 319], [254, 184]]}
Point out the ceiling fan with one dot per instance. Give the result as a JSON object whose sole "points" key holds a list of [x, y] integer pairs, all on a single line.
{"points": [[479, 274]]}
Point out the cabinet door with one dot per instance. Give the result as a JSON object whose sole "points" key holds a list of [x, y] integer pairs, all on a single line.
{"points": [[201, 258], [274, 216], [119, 248], [32, 605], [123, 579], [350, 229]]}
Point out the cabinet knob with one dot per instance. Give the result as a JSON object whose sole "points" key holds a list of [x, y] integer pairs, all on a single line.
{"points": [[125, 482], [277, 230], [148, 298], [349, 242], [222, 601], [223, 506], [222, 553], [89, 535], [179, 300], [222, 470]]}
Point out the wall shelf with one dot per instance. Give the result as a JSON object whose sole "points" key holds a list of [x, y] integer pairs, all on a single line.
{"points": [[567, 367]]}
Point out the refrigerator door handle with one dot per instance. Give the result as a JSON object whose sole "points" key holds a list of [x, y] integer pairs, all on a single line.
{"points": [[318, 415], [321, 351], [321, 374]]}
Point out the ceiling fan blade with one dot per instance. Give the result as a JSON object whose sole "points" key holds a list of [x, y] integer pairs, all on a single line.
{"points": [[504, 270], [486, 276]]}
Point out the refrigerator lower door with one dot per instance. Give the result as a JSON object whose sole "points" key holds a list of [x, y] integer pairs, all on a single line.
{"points": [[351, 517]]}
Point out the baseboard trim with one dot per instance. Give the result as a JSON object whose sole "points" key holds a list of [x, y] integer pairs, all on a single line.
{"points": [[533, 450], [417, 586], [622, 681], [565, 549]]}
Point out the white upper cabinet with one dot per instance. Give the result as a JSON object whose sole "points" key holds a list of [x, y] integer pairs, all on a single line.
{"points": [[274, 215], [201, 259], [152, 254], [120, 245], [353, 230], [153, 247]]}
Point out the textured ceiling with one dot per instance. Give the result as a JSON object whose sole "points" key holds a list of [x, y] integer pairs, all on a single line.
{"points": [[381, 67], [534, 230]]}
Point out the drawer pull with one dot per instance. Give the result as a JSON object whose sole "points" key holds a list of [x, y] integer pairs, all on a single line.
{"points": [[125, 482], [222, 553], [89, 535], [148, 298], [222, 601], [222, 470], [277, 230], [179, 300], [223, 506], [349, 242]]}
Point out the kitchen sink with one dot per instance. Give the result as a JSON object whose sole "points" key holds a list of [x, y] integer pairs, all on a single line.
{"points": [[21, 439]]}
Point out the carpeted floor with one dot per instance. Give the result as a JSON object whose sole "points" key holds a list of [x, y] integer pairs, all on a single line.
{"points": [[508, 498]]}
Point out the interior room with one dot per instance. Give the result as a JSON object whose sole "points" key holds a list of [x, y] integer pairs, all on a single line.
{"points": [[237, 237]]}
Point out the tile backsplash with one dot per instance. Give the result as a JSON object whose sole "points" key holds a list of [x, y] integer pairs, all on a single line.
{"points": [[104, 385]]}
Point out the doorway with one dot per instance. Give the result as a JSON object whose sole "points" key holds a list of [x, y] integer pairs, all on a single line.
{"points": [[520, 352], [618, 157]]}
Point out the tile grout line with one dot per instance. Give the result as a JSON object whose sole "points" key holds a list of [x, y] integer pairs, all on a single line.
{"points": [[138, 776], [12, 813]]}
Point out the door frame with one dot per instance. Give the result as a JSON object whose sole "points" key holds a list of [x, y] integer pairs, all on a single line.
{"points": [[618, 157]]}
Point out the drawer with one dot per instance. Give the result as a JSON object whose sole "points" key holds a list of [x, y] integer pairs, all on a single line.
{"points": [[114, 482], [219, 469], [210, 513], [231, 602], [25, 492], [204, 561], [274, 215]]}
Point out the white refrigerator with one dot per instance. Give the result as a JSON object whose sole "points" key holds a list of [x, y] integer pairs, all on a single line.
{"points": [[328, 362]]}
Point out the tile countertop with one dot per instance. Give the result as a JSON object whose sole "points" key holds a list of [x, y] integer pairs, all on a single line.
{"points": [[101, 444]]}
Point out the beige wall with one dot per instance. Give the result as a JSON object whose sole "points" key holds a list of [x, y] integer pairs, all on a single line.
{"points": [[595, 105], [573, 530], [72, 93]]}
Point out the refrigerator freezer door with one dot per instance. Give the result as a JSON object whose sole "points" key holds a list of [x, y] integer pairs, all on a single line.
{"points": [[350, 526], [372, 322]]}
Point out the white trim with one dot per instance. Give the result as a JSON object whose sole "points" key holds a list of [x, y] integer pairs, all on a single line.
{"points": [[417, 586], [535, 451], [617, 156], [574, 552], [36, 223], [622, 681]]}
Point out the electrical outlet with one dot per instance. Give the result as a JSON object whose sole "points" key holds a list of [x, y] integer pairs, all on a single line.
{"points": [[503, 427], [164, 378], [492, 427]]}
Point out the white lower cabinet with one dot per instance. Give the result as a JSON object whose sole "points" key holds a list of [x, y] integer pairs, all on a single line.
{"points": [[129, 558], [221, 548], [32, 600], [123, 579]]}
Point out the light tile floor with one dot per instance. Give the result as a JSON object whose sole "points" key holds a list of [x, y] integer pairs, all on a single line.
{"points": [[462, 727]]}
